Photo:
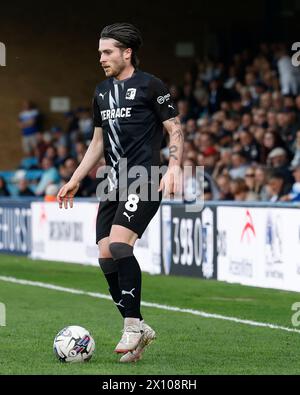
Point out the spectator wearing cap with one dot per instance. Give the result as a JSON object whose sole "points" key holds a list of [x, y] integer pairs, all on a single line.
{"points": [[239, 165], [278, 159], [294, 195], [277, 186]]}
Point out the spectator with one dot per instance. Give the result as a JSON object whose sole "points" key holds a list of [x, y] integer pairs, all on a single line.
{"points": [[239, 165], [216, 96], [277, 159], [85, 124], [288, 74], [51, 193], [3, 188], [294, 195], [50, 176], [183, 110], [28, 123], [296, 149], [260, 182], [80, 150], [287, 126], [62, 154], [23, 188], [277, 187], [190, 186], [249, 146], [211, 157], [239, 189], [223, 183], [271, 140]]}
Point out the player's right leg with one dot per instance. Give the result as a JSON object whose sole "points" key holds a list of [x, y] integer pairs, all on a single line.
{"points": [[109, 268], [110, 271]]}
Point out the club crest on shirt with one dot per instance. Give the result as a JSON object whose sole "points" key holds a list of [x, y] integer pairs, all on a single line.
{"points": [[130, 94]]}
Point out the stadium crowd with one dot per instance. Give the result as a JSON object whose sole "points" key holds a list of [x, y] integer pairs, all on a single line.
{"points": [[241, 121]]}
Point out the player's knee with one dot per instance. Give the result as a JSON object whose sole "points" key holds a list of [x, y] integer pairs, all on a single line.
{"points": [[120, 250], [108, 265], [104, 251]]}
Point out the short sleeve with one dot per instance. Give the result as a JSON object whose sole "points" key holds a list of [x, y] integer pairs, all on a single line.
{"points": [[97, 120], [160, 100]]}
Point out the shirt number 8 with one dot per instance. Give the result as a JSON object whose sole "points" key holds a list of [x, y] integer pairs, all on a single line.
{"points": [[132, 202]]}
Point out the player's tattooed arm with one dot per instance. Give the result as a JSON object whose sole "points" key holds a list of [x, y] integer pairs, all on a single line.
{"points": [[173, 127], [171, 182]]}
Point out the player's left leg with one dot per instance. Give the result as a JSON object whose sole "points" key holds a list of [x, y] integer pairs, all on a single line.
{"points": [[121, 247], [132, 217]]}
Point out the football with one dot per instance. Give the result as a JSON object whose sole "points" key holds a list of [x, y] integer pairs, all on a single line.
{"points": [[74, 344]]}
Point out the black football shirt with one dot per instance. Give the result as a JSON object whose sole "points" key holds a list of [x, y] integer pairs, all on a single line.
{"points": [[130, 113]]}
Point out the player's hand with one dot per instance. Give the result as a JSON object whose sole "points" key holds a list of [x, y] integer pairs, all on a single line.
{"points": [[66, 194], [171, 182]]}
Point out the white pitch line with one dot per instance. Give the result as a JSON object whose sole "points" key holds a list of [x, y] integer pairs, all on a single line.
{"points": [[148, 304]]}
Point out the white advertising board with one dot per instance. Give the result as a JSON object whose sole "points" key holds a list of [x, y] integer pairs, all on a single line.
{"points": [[69, 236], [259, 246]]}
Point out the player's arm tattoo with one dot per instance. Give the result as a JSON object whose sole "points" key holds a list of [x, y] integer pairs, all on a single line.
{"points": [[173, 127], [173, 149], [176, 132]]}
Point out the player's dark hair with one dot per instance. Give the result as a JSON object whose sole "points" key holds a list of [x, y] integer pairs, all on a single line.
{"points": [[127, 35]]}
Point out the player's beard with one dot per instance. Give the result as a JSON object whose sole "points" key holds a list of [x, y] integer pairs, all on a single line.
{"points": [[115, 70]]}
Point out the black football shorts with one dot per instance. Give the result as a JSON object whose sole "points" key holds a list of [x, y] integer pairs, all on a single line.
{"points": [[130, 210]]}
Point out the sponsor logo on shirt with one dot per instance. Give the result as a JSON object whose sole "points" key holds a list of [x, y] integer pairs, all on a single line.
{"points": [[162, 99], [130, 94], [124, 112]]}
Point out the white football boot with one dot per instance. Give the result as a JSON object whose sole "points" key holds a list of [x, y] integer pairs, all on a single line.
{"points": [[148, 335], [131, 335]]}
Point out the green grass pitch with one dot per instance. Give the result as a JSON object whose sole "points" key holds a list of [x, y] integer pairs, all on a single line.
{"points": [[186, 344]]}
